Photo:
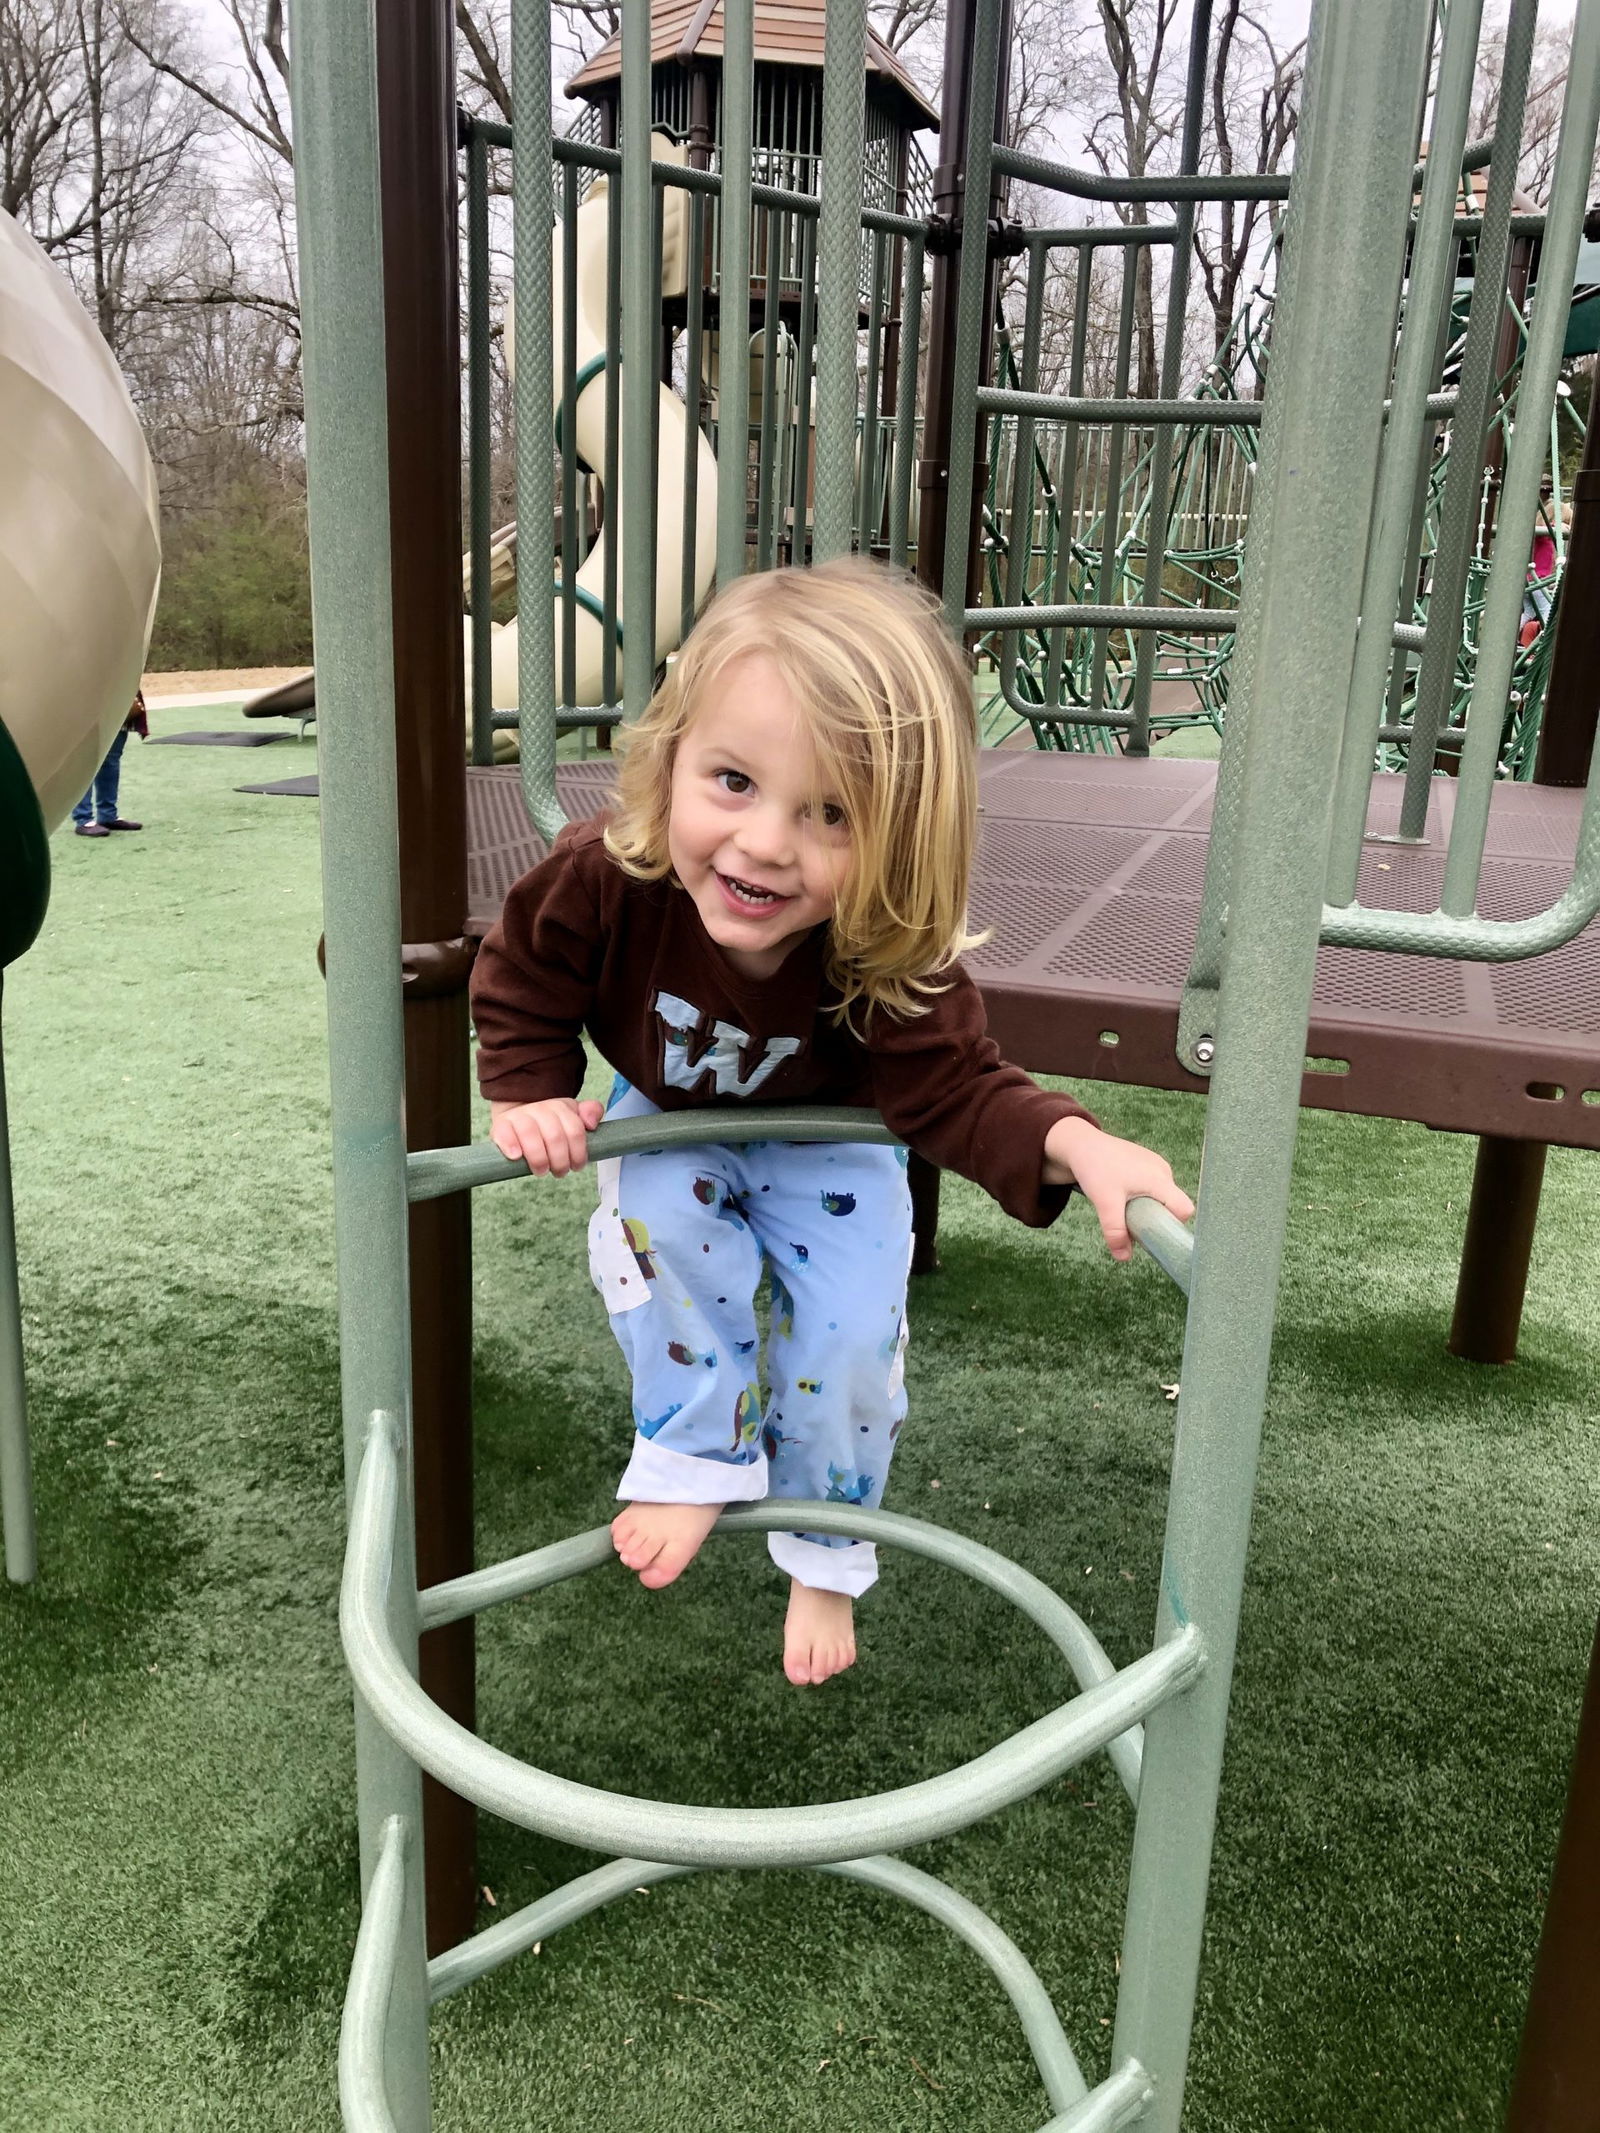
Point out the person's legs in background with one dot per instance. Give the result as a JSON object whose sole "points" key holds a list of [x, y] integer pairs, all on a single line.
{"points": [[108, 781]]}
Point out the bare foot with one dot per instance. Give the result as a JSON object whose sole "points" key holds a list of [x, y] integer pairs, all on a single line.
{"points": [[819, 1634], [661, 1540]]}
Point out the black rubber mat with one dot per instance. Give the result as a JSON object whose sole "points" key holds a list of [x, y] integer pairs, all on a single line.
{"points": [[295, 788], [217, 740]]}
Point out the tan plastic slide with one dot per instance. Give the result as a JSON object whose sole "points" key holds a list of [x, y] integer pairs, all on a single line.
{"points": [[80, 543]]}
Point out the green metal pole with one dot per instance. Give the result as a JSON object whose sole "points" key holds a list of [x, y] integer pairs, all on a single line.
{"points": [[640, 306], [479, 424], [1194, 97], [844, 73], [337, 212], [16, 1463], [533, 213], [733, 288], [1333, 337], [1433, 260], [1463, 487], [1519, 497], [972, 325]]}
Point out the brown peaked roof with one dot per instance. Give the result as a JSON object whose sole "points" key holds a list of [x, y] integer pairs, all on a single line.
{"points": [[788, 33]]}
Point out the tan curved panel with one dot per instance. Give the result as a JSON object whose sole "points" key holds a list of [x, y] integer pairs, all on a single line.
{"points": [[80, 549]]}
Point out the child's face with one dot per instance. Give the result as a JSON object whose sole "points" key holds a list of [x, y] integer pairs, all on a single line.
{"points": [[750, 839]]}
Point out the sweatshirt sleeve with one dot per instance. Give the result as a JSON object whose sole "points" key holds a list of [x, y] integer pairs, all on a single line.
{"points": [[942, 1085], [534, 980]]}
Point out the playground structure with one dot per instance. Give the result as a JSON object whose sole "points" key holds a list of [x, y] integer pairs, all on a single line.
{"points": [[1332, 509], [80, 559]]}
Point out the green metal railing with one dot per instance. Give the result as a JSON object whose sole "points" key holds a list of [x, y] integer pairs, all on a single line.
{"points": [[1339, 442]]}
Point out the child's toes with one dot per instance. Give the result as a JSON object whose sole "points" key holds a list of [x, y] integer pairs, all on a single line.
{"points": [[633, 1543], [661, 1563]]}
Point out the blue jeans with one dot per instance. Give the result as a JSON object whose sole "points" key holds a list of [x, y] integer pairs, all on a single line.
{"points": [[677, 1248], [101, 798]]}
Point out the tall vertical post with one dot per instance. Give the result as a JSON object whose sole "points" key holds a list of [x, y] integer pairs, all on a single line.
{"points": [[949, 208], [838, 275], [533, 208], [417, 161], [1503, 1213], [641, 305], [1333, 334], [16, 1461], [933, 467], [733, 288], [1557, 2086], [334, 85]]}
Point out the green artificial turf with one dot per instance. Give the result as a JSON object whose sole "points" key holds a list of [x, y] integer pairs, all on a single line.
{"points": [[177, 1865]]}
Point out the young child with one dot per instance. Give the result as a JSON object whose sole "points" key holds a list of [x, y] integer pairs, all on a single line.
{"points": [[773, 915]]}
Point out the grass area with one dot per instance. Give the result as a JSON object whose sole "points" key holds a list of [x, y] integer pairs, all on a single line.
{"points": [[177, 1866]]}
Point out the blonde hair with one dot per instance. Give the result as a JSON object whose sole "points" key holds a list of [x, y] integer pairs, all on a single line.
{"points": [[886, 693]]}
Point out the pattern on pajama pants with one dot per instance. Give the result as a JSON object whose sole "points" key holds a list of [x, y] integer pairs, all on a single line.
{"points": [[677, 1248]]}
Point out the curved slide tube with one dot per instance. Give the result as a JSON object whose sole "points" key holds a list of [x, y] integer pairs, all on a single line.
{"points": [[80, 561], [80, 547]]}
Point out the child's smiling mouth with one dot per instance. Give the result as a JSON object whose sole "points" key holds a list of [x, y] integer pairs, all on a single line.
{"points": [[749, 896]]}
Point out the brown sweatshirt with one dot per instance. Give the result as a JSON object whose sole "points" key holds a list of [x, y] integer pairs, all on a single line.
{"points": [[580, 945]]}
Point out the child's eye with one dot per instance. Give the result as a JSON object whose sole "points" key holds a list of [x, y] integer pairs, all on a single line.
{"points": [[734, 781], [833, 815]]}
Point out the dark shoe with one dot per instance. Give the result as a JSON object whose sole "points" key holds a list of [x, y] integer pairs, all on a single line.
{"points": [[91, 829], [119, 824]]}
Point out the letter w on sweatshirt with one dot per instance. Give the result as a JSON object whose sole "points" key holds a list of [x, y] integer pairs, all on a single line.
{"points": [[682, 1067]]}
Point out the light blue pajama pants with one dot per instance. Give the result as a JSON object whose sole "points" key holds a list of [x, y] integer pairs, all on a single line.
{"points": [[677, 1248]]}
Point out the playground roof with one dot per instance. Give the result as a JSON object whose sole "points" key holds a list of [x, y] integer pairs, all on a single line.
{"points": [[789, 34]]}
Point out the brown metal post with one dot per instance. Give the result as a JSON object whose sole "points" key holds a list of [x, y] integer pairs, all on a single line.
{"points": [[416, 138], [1501, 1219], [1557, 2085], [933, 468], [1572, 695], [1505, 1189]]}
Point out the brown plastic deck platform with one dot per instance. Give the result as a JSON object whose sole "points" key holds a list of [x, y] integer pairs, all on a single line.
{"points": [[1089, 874]]}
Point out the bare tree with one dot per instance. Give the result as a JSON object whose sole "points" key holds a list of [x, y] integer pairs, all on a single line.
{"points": [[1547, 88], [1255, 113], [1128, 138]]}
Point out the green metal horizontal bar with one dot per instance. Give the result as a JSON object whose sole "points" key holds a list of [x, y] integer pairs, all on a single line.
{"points": [[682, 177], [538, 1921], [1198, 414], [1098, 185], [1091, 236], [1193, 414], [1519, 225], [710, 1836], [432, 1172], [1178, 621], [455, 1968], [1066, 1629], [489, 130], [1120, 2100], [1061, 714], [1467, 940], [363, 2104], [1169, 1242], [569, 721], [1095, 185]]}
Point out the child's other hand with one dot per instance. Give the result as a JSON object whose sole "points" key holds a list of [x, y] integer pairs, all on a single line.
{"points": [[1109, 1173], [550, 1137]]}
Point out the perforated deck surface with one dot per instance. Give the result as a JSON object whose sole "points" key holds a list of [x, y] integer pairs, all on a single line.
{"points": [[1089, 874]]}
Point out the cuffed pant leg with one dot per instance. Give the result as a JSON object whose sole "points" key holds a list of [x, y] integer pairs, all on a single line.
{"points": [[835, 1228]]}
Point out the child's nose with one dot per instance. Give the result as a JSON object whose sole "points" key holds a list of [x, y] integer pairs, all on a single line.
{"points": [[767, 835]]}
